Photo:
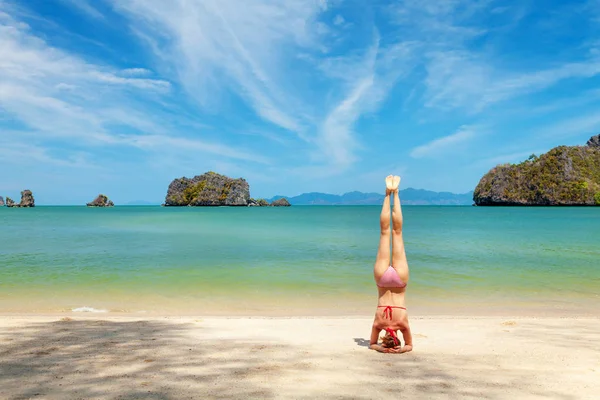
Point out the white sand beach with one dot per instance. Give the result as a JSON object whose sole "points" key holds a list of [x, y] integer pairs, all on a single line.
{"points": [[109, 357]]}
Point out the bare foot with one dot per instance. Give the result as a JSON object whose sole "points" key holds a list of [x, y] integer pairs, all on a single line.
{"points": [[395, 183], [389, 183]]}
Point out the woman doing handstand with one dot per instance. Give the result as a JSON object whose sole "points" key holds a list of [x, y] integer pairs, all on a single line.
{"points": [[391, 278]]}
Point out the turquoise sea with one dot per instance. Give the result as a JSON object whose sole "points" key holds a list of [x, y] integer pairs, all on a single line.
{"points": [[302, 260]]}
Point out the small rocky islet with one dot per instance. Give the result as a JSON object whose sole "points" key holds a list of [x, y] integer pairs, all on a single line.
{"points": [[101, 201], [27, 200], [213, 189], [208, 189], [564, 176]]}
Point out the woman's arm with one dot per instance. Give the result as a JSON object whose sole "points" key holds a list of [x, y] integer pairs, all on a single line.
{"points": [[407, 336], [379, 348], [374, 339]]}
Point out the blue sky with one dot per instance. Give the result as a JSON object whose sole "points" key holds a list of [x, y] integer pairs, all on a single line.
{"points": [[122, 96]]}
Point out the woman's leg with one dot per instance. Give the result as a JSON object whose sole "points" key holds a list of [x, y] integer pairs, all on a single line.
{"points": [[383, 254], [398, 254]]}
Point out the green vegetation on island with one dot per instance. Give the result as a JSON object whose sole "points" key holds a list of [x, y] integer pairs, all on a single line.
{"points": [[212, 189], [209, 189], [564, 176]]}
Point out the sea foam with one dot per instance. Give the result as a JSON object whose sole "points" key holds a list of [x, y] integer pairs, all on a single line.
{"points": [[88, 309]]}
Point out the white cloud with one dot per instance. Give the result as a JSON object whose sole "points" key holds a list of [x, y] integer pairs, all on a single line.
{"points": [[539, 80], [368, 80], [292, 71], [444, 144], [158, 142], [236, 45], [84, 7], [588, 124], [13, 152], [65, 86], [495, 160], [136, 72], [461, 74], [337, 139], [61, 97], [155, 84], [564, 103], [250, 49], [464, 80]]}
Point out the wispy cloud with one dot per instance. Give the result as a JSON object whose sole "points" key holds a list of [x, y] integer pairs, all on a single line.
{"points": [[463, 75], [463, 80], [136, 72], [12, 152], [242, 83], [60, 96], [336, 139], [250, 48], [159, 142], [505, 158], [368, 80], [444, 144], [212, 45], [587, 124], [85, 7]]}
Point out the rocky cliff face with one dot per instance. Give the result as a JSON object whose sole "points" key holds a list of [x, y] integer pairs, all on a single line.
{"points": [[9, 202], [209, 189], [27, 199], [283, 202], [258, 203], [101, 201], [1, 201], [564, 176], [594, 141]]}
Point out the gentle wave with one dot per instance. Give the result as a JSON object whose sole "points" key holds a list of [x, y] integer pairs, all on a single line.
{"points": [[88, 309]]}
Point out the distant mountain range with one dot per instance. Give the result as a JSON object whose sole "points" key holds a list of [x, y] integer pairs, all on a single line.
{"points": [[407, 196]]}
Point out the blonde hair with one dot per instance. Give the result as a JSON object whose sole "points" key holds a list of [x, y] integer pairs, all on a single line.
{"points": [[388, 341]]}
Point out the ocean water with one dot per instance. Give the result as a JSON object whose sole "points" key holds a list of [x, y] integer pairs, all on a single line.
{"points": [[302, 260]]}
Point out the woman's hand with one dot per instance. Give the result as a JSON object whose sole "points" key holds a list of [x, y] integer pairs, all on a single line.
{"points": [[378, 348], [395, 350], [392, 350], [400, 349]]}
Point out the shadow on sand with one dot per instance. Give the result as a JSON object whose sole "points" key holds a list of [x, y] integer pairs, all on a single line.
{"points": [[88, 359]]}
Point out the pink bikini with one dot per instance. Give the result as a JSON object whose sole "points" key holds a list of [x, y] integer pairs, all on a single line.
{"points": [[390, 279]]}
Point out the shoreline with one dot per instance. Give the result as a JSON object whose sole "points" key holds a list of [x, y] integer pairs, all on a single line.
{"points": [[101, 356], [293, 308]]}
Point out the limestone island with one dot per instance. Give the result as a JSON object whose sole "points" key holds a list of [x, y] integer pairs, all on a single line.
{"points": [[213, 189], [27, 200], [564, 176], [101, 201], [1, 201], [282, 202]]}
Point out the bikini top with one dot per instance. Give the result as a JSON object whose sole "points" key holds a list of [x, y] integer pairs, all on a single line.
{"points": [[390, 279]]}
